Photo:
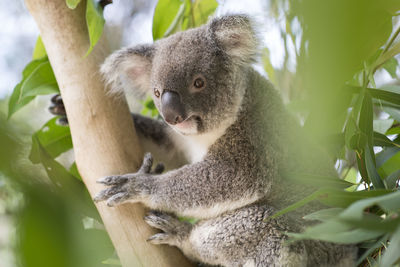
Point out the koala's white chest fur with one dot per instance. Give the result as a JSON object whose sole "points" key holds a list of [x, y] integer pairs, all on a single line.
{"points": [[195, 147]]}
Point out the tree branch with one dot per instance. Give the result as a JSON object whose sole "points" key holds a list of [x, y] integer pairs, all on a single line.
{"points": [[102, 131]]}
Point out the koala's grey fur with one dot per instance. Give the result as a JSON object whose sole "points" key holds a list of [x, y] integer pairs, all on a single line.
{"points": [[232, 152]]}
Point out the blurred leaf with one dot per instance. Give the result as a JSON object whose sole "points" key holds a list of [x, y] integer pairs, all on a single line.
{"points": [[371, 249], [37, 78], [392, 179], [201, 10], [64, 180], [385, 155], [74, 171], [371, 169], [391, 66], [381, 126], [383, 140], [391, 255], [394, 113], [390, 165], [317, 180], [366, 119], [112, 261], [268, 66], [323, 215], [164, 15], [95, 23], [54, 138], [333, 198], [388, 202], [337, 232], [72, 4], [39, 51]]}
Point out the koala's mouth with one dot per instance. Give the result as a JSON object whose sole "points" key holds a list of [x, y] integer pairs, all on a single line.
{"points": [[192, 125]]}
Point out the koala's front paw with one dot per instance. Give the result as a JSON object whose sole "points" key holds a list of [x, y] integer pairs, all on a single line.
{"points": [[57, 108], [130, 186]]}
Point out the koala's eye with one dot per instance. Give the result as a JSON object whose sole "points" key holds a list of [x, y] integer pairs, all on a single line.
{"points": [[199, 83], [157, 92]]}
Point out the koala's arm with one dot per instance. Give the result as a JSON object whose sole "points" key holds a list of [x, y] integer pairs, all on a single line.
{"points": [[203, 189], [159, 139]]}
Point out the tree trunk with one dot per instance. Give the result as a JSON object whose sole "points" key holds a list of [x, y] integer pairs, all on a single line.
{"points": [[102, 131]]}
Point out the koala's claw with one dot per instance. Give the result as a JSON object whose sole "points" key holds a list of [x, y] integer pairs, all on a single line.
{"points": [[147, 163], [158, 239], [117, 199], [112, 180], [173, 229], [128, 186]]}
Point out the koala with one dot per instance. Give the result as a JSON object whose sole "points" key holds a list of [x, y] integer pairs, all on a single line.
{"points": [[227, 141]]}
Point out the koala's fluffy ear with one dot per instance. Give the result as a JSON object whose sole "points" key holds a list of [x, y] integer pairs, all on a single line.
{"points": [[235, 35], [129, 65]]}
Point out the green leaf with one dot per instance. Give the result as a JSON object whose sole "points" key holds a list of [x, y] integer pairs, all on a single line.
{"points": [[371, 249], [95, 23], [74, 171], [164, 15], [388, 202], [333, 198], [390, 165], [393, 112], [317, 180], [383, 140], [371, 170], [37, 78], [202, 9], [385, 155], [392, 179], [387, 93], [391, 255], [72, 4], [324, 215], [337, 232], [39, 51], [55, 139], [269, 69], [381, 126], [391, 66]]}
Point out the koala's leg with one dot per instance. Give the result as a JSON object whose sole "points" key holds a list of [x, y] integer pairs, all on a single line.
{"points": [[238, 238]]}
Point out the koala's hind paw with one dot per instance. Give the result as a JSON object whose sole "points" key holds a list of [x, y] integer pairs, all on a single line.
{"points": [[174, 230]]}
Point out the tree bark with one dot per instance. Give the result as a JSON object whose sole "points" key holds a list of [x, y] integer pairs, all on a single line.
{"points": [[102, 130]]}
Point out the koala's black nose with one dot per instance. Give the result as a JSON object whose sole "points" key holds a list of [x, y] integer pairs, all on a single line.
{"points": [[172, 108]]}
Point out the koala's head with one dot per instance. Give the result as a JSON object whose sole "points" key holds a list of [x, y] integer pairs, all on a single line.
{"points": [[195, 77]]}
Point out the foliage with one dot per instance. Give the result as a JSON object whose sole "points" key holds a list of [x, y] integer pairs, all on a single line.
{"points": [[333, 91]]}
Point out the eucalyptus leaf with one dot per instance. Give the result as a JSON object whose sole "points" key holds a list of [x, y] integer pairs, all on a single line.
{"points": [[391, 255], [392, 179], [37, 78], [95, 23], [391, 66], [337, 232], [371, 169], [323, 215], [54, 138], [164, 14], [202, 10], [39, 51], [72, 4]]}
